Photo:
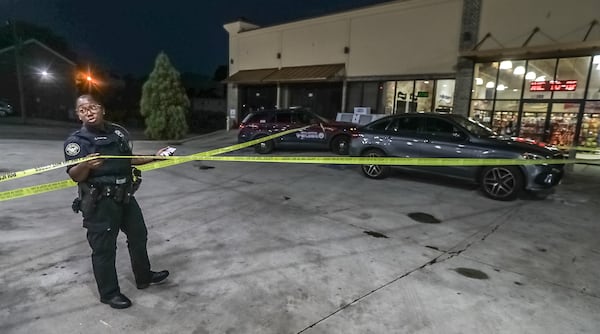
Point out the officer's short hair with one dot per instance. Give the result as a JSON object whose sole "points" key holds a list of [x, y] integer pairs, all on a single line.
{"points": [[88, 97]]}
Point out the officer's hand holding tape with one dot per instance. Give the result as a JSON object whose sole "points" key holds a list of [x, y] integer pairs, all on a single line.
{"points": [[81, 171], [165, 151], [94, 163]]}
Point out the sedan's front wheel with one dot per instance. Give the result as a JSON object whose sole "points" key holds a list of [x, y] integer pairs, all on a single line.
{"points": [[503, 183], [375, 171]]}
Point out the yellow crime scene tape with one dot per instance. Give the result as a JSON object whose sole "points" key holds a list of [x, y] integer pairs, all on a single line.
{"points": [[149, 166], [166, 161], [213, 156]]}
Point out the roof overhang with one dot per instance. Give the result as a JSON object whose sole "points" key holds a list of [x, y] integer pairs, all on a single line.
{"points": [[249, 76], [312, 73], [536, 52], [295, 74], [42, 45]]}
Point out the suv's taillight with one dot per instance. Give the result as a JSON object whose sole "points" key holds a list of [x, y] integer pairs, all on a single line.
{"points": [[246, 125]]}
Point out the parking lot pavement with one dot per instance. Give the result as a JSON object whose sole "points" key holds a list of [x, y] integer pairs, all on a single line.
{"points": [[271, 248]]}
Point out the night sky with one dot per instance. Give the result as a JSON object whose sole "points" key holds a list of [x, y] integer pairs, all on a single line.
{"points": [[126, 35]]}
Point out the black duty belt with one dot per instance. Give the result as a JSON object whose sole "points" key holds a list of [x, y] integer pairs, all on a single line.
{"points": [[120, 192]]}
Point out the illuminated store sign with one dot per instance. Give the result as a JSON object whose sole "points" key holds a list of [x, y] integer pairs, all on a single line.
{"points": [[553, 85]]}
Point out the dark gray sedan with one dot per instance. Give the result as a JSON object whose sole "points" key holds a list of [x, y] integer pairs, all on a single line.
{"points": [[438, 135]]}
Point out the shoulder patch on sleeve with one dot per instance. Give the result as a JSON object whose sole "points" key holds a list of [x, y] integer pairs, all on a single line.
{"points": [[72, 149]]}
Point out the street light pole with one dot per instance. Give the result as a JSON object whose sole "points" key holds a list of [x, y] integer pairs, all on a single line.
{"points": [[19, 71]]}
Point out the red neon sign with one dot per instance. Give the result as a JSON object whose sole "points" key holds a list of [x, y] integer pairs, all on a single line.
{"points": [[553, 86]]}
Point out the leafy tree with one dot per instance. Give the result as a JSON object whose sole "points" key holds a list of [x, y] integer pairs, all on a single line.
{"points": [[164, 103]]}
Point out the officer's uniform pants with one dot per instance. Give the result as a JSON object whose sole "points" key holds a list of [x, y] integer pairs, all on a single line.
{"points": [[103, 226]]}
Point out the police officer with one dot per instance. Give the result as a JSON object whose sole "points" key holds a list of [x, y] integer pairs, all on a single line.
{"points": [[106, 200]]}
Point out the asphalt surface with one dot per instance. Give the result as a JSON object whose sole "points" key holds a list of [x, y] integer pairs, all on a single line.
{"points": [[272, 248]]}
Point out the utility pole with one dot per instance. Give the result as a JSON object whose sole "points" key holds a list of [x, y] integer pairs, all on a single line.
{"points": [[18, 64]]}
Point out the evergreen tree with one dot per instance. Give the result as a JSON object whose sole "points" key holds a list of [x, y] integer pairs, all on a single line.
{"points": [[164, 104]]}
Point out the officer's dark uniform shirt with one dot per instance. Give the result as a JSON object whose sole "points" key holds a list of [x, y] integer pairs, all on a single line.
{"points": [[112, 139]]}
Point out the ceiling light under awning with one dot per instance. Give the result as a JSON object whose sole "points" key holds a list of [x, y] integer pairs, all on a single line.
{"points": [[519, 70], [506, 65], [530, 75]]}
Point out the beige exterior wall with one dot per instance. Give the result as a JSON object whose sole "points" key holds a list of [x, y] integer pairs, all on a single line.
{"points": [[315, 43], [398, 38], [512, 21], [415, 37], [258, 50]]}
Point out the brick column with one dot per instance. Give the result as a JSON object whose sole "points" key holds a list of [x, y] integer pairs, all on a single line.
{"points": [[232, 103], [469, 36]]}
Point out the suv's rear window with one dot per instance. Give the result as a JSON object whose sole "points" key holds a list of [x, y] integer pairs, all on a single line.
{"points": [[263, 117], [284, 117]]}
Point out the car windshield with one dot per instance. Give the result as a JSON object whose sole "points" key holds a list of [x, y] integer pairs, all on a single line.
{"points": [[475, 127]]}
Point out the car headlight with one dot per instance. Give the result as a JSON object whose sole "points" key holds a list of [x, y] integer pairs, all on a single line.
{"points": [[532, 156]]}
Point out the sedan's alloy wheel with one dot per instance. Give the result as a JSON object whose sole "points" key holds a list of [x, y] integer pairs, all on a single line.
{"points": [[375, 171], [502, 183]]}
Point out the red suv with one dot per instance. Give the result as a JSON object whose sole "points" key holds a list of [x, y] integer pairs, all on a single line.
{"points": [[321, 132]]}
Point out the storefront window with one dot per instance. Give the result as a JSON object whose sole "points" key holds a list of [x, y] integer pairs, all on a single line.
{"points": [[506, 114], [405, 97], [538, 70], [354, 96], [540, 99], [563, 122], [590, 126], [363, 94], [444, 95], [484, 80], [481, 111], [254, 98], [510, 79], [322, 98], [533, 120], [593, 92], [572, 69], [370, 94], [389, 90], [424, 94]]}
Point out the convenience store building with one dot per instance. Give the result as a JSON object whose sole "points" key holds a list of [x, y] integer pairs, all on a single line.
{"points": [[529, 68]]}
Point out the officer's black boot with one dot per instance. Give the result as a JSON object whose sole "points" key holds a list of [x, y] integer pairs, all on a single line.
{"points": [[117, 301], [155, 278]]}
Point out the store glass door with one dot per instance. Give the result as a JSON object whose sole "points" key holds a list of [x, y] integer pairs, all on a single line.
{"points": [[533, 120], [590, 125], [563, 123], [551, 122]]}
